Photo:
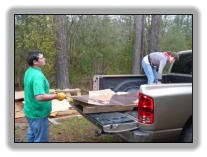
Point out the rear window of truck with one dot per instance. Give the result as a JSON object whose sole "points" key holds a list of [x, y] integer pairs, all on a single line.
{"points": [[184, 65]]}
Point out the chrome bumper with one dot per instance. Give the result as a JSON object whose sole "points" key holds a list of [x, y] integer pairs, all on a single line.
{"points": [[168, 135]]}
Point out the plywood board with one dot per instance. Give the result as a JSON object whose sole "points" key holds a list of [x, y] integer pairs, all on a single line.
{"points": [[19, 114], [99, 109], [60, 105], [107, 101]]}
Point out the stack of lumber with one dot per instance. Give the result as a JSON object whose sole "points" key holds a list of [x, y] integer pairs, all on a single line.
{"points": [[69, 92], [63, 108], [107, 101], [19, 104], [19, 95], [59, 108]]}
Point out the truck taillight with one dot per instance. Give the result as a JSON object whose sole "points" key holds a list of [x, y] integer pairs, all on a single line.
{"points": [[145, 109]]}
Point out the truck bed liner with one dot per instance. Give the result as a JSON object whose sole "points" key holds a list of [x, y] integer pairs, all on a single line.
{"points": [[111, 118], [112, 121]]}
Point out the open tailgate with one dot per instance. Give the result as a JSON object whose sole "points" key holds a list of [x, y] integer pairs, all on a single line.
{"points": [[105, 116]]}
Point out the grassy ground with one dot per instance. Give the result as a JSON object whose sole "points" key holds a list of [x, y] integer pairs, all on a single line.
{"points": [[71, 130]]}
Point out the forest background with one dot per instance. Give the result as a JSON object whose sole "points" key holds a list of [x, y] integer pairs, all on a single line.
{"points": [[77, 47]]}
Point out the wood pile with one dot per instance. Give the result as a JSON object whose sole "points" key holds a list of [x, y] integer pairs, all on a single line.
{"points": [[60, 109]]}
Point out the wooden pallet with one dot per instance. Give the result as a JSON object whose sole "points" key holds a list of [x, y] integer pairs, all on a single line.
{"points": [[19, 95], [62, 113], [70, 92], [19, 104]]}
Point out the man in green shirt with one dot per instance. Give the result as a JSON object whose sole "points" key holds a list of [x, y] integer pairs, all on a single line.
{"points": [[37, 105]]}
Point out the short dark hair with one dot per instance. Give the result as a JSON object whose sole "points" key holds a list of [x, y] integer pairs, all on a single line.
{"points": [[33, 55], [174, 54]]}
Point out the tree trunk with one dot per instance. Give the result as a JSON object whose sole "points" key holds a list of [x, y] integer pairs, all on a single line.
{"points": [[138, 47], [154, 33], [62, 74]]}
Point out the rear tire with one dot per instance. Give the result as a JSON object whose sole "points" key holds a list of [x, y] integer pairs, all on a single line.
{"points": [[187, 135]]}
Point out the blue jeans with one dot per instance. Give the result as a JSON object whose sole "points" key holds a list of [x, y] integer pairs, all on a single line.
{"points": [[38, 130], [150, 72]]}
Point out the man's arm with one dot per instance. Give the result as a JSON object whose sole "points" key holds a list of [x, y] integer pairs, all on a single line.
{"points": [[46, 97]]}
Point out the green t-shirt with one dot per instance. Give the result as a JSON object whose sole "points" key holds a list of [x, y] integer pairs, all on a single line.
{"points": [[35, 83]]}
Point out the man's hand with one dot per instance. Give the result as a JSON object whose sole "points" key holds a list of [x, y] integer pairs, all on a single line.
{"points": [[61, 96], [159, 82]]}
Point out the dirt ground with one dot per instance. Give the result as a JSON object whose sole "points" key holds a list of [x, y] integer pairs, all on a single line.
{"points": [[71, 130]]}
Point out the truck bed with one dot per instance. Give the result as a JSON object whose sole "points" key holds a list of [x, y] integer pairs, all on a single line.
{"points": [[130, 83]]}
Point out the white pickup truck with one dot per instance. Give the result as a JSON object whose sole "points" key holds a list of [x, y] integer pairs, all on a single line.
{"points": [[164, 111]]}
